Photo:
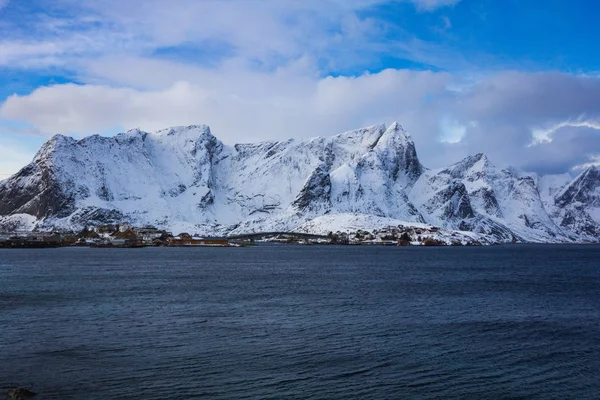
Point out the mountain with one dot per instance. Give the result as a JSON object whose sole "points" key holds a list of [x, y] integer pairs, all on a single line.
{"points": [[475, 195], [185, 179], [576, 206]]}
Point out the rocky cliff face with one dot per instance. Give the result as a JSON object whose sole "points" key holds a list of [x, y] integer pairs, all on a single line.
{"points": [[185, 179], [576, 206], [37, 190]]}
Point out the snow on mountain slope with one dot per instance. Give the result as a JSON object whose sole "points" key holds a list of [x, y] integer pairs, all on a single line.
{"points": [[278, 184], [18, 222], [475, 195], [376, 182], [577, 205], [255, 182], [348, 222], [185, 179]]}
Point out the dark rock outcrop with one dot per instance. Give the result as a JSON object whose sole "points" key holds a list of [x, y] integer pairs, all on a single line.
{"points": [[19, 394], [316, 192]]}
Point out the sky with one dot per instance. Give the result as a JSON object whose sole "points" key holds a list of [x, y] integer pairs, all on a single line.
{"points": [[517, 80]]}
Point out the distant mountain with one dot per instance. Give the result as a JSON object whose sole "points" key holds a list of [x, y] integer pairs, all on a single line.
{"points": [[185, 179], [576, 207]]}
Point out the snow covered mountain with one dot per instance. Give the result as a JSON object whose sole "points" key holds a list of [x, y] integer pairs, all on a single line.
{"points": [[576, 205], [185, 179], [474, 195]]}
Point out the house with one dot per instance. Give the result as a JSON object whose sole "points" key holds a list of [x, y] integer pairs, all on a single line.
{"points": [[86, 233], [147, 234], [159, 242], [174, 241], [183, 239], [127, 237]]}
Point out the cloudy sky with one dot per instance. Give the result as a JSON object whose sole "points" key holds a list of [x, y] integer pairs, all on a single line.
{"points": [[518, 80]]}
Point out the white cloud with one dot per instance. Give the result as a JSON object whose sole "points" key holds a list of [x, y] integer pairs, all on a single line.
{"points": [[544, 135], [451, 131], [265, 106]]}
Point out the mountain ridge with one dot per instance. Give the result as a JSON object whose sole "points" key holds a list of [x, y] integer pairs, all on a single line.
{"points": [[184, 178]]}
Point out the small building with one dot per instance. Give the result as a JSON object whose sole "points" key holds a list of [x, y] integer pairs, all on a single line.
{"points": [[86, 233], [147, 234], [127, 237], [159, 242]]}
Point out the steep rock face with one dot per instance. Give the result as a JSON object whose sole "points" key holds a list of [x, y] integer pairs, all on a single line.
{"points": [[577, 205], [315, 196], [478, 174], [452, 202], [584, 189], [37, 189]]}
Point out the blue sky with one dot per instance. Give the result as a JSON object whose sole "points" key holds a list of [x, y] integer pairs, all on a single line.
{"points": [[518, 80]]}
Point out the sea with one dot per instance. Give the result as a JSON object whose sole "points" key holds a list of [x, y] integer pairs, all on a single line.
{"points": [[302, 322]]}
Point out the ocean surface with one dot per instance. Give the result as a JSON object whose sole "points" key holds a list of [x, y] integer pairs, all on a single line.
{"points": [[302, 322]]}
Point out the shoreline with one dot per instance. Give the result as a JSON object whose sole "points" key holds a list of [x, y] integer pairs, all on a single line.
{"points": [[272, 243]]}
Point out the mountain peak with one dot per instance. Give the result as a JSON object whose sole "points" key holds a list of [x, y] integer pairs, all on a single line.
{"points": [[56, 142], [61, 139], [477, 165], [581, 189], [591, 173], [398, 129], [396, 126], [394, 152], [395, 137], [479, 159], [188, 131], [373, 130], [480, 156]]}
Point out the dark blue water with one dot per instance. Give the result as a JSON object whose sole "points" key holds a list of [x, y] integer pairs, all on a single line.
{"points": [[304, 322]]}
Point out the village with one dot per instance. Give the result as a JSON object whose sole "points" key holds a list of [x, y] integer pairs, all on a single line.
{"points": [[118, 236], [126, 235]]}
